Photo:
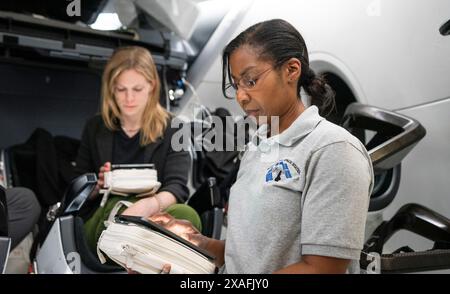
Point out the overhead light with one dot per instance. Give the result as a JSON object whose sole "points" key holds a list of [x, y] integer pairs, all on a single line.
{"points": [[107, 22]]}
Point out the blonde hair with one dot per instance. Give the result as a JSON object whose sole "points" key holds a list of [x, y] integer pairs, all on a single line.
{"points": [[154, 119]]}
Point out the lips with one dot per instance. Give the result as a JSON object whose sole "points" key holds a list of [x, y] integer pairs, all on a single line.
{"points": [[252, 112]]}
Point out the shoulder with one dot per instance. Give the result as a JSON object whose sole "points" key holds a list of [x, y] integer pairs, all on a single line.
{"points": [[177, 134], [96, 120], [335, 147], [174, 124], [328, 134], [94, 125], [337, 151]]}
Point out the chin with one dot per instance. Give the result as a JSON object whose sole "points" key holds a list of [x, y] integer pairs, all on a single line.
{"points": [[130, 113]]}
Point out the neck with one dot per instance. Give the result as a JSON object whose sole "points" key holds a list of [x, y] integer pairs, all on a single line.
{"points": [[291, 114], [130, 124]]}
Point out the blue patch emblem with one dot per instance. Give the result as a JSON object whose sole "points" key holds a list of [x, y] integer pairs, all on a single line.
{"points": [[282, 170]]}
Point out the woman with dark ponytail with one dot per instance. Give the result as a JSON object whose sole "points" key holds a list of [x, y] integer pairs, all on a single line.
{"points": [[300, 200]]}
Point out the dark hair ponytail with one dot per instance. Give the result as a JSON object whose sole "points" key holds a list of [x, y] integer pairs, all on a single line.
{"points": [[278, 41], [322, 95]]}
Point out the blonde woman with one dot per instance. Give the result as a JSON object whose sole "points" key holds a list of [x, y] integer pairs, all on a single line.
{"points": [[133, 128]]}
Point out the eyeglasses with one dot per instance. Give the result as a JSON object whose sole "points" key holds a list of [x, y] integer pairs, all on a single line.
{"points": [[246, 83]]}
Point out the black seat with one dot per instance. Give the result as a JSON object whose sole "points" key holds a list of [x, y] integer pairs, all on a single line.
{"points": [[74, 198], [5, 241], [208, 203], [89, 259], [394, 136], [3, 213], [71, 228], [421, 221]]}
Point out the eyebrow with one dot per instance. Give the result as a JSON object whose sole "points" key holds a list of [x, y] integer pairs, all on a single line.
{"points": [[134, 86], [244, 71]]}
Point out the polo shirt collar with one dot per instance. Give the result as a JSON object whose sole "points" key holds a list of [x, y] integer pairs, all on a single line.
{"points": [[301, 127]]}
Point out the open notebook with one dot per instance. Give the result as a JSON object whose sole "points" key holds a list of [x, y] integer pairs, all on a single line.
{"points": [[144, 246]]}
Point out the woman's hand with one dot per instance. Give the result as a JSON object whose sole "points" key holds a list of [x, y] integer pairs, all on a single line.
{"points": [[187, 231], [165, 270], [144, 207], [101, 174], [149, 206], [182, 228], [101, 179]]}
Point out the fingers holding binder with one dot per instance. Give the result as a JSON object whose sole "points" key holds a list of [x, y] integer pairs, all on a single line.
{"points": [[101, 174], [165, 269], [162, 218], [182, 228], [101, 179], [178, 226]]}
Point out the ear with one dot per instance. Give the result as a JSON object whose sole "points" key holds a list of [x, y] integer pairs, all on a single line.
{"points": [[293, 69]]}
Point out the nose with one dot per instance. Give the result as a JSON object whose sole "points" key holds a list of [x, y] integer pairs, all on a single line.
{"points": [[242, 97], [129, 96]]}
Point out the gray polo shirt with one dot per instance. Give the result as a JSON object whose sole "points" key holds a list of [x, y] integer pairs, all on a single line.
{"points": [[307, 194]]}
